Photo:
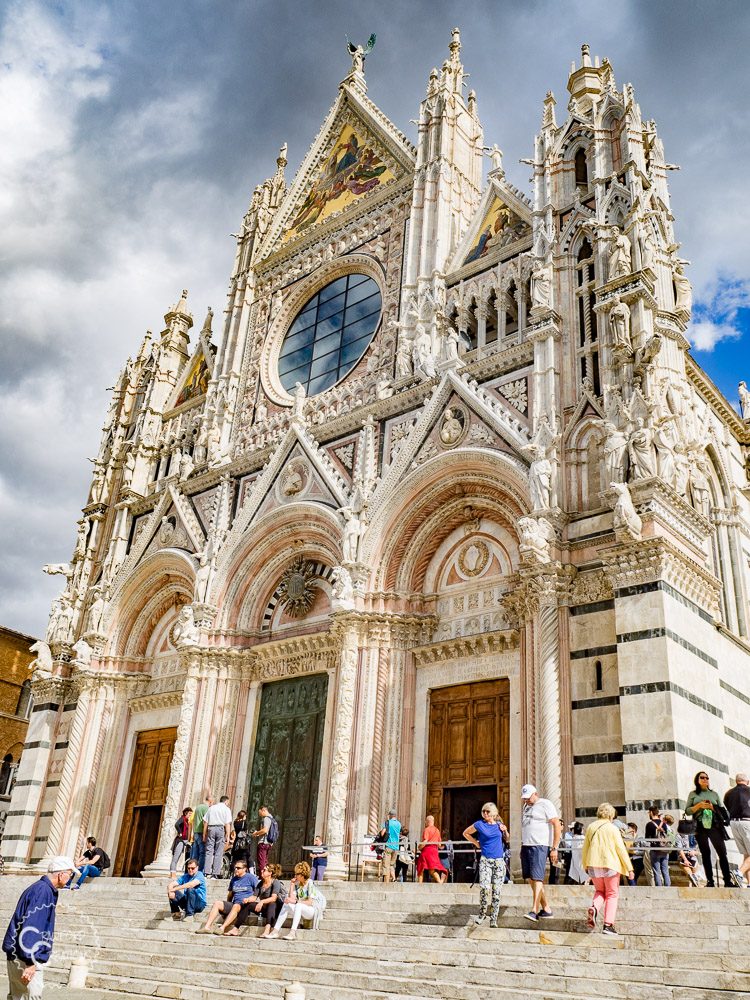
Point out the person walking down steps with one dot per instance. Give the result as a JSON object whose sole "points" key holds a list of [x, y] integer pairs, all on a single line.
{"points": [[491, 843]]}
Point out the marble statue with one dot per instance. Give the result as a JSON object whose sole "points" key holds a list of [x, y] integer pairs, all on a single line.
{"points": [[744, 400], [60, 621], [352, 530], [203, 574], [540, 479], [451, 344], [97, 609], [541, 286], [83, 653], [619, 323], [648, 249], [424, 361], [536, 535], [665, 448], [186, 465], [184, 631], [359, 53], [683, 290], [43, 662], [343, 588], [200, 451], [127, 478], [625, 520], [404, 367], [619, 255], [615, 452], [699, 486], [300, 396], [641, 451], [681, 470]]}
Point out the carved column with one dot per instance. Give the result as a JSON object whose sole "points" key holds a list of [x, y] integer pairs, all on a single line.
{"points": [[544, 336], [90, 764], [376, 798], [346, 683], [56, 835], [549, 701], [173, 803]]}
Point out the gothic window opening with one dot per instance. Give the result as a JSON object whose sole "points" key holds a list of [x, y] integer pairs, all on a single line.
{"points": [[23, 708], [511, 310], [490, 331], [588, 349], [581, 169]]}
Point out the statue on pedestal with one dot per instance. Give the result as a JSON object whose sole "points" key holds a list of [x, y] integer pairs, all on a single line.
{"points": [[625, 520], [619, 255], [615, 452], [541, 287], [540, 479], [619, 323], [641, 451], [185, 632], [536, 535], [744, 400]]}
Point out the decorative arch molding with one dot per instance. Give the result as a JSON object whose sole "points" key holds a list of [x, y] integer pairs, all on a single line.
{"points": [[430, 503], [501, 543], [248, 580], [572, 236], [360, 263], [162, 581], [319, 571]]}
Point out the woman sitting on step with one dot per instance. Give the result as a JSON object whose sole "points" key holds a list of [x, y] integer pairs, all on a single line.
{"points": [[492, 833], [304, 901]]}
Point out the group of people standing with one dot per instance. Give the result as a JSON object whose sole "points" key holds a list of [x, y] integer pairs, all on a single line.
{"points": [[207, 832]]}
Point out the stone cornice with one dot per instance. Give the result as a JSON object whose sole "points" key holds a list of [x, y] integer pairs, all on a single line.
{"points": [[653, 498], [654, 559], [739, 428], [149, 702], [467, 645]]}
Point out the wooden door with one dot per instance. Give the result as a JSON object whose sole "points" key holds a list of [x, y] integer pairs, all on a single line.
{"points": [[468, 746], [147, 793], [286, 763]]}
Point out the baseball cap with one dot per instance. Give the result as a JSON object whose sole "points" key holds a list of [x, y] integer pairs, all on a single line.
{"points": [[391, 812], [61, 864], [527, 791]]}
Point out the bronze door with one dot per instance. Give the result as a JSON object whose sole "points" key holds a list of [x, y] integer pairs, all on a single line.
{"points": [[286, 763], [147, 793], [469, 740]]}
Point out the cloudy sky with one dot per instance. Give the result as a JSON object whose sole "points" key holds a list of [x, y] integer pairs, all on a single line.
{"points": [[134, 132]]}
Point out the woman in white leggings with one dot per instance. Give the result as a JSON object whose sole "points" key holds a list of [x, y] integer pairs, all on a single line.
{"points": [[304, 900]]}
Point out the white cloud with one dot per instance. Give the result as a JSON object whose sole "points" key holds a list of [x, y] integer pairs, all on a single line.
{"points": [[715, 315], [705, 335]]}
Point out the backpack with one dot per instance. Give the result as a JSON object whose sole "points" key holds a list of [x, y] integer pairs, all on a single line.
{"points": [[104, 862], [272, 834]]}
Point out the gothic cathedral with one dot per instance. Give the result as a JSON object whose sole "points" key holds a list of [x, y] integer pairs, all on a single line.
{"points": [[444, 505]]}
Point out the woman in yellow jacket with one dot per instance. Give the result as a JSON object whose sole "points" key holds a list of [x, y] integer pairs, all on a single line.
{"points": [[605, 859]]}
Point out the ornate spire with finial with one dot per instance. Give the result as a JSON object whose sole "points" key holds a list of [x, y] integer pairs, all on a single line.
{"points": [[206, 328], [548, 114]]}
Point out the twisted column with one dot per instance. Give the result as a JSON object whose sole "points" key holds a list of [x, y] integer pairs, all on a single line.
{"points": [[103, 715], [65, 789], [549, 703], [173, 802], [346, 681], [376, 784]]}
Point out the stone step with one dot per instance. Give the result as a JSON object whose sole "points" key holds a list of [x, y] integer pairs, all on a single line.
{"points": [[448, 951]]}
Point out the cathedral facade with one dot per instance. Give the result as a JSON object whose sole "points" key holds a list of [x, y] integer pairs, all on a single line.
{"points": [[444, 506]]}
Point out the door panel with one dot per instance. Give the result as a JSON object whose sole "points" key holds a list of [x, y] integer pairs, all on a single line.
{"points": [[468, 747], [147, 793], [286, 763]]}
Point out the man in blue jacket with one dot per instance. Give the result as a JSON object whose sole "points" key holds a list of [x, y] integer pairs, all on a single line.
{"points": [[28, 939]]}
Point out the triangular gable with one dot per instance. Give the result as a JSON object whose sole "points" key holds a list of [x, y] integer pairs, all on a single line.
{"points": [[357, 155], [298, 480], [319, 463], [497, 418], [195, 377], [503, 217], [587, 406]]}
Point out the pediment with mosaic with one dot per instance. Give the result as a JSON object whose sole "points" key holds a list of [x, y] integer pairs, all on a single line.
{"points": [[500, 227], [353, 166]]}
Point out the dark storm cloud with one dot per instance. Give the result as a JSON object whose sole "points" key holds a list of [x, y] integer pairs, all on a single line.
{"points": [[140, 129]]}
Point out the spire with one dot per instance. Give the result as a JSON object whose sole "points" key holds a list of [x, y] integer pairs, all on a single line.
{"points": [[281, 161], [548, 114], [180, 310], [585, 83], [206, 328], [178, 321]]}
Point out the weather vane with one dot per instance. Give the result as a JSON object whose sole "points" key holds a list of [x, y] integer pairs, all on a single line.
{"points": [[359, 53]]}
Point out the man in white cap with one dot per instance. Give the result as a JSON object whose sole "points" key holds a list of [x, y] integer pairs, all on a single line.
{"points": [[540, 834], [28, 939]]}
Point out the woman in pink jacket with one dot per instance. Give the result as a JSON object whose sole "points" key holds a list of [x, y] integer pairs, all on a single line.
{"points": [[605, 858]]}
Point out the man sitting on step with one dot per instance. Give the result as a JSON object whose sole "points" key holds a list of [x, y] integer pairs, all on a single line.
{"points": [[188, 892], [242, 886]]}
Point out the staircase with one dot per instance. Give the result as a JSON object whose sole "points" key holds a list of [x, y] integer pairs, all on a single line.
{"points": [[408, 941]]}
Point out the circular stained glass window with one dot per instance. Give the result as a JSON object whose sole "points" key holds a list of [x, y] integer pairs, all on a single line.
{"points": [[330, 334]]}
